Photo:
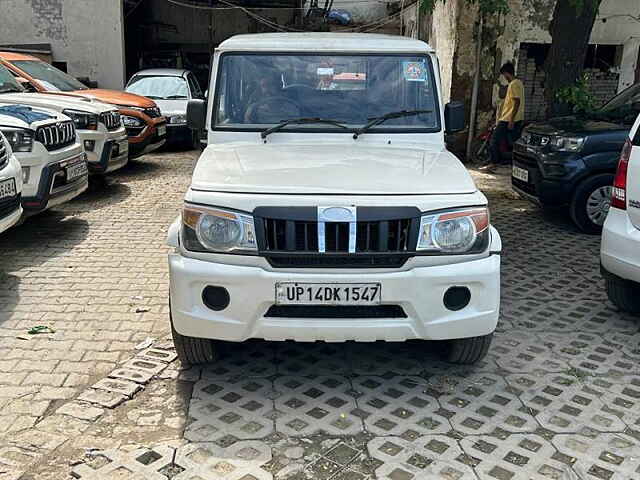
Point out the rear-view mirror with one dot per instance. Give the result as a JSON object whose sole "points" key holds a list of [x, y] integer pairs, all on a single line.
{"points": [[197, 114], [454, 117]]}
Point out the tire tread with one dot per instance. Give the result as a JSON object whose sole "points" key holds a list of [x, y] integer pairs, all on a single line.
{"points": [[467, 351]]}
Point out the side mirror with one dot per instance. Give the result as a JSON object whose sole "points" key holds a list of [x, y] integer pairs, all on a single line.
{"points": [[197, 114], [454, 120]]}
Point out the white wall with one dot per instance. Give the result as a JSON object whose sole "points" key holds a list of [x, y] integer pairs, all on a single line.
{"points": [[529, 22], [87, 34]]}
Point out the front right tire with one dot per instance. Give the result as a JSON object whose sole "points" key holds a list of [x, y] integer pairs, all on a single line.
{"points": [[624, 294], [191, 350], [467, 351]]}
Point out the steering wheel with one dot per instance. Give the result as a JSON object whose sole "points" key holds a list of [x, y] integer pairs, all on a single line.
{"points": [[272, 110]]}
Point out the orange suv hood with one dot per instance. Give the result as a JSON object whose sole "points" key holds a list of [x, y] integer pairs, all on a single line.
{"points": [[118, 98]]}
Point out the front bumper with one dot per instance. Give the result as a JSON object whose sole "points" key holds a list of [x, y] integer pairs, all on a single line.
{"points": [[53, 186], [115, 155], [620, 246], [149, 139], [541, 188], [11, 208], [419, 291]]}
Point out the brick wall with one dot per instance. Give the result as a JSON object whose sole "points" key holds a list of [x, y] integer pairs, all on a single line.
{"points": [[602, 85]]}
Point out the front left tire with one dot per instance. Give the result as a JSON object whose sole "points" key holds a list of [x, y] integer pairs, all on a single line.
{"points": [[191, 350], [467, 351]]}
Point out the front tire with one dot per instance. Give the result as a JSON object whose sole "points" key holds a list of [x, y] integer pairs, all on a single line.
{"points": [[467, 351], [624, 294], [191, 350], [590, 203]]}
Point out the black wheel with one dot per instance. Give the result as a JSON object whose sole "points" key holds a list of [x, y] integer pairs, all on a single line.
{"points": [[191, 350], [467, 351], [194, 144], [624, 294], [591, 201]]}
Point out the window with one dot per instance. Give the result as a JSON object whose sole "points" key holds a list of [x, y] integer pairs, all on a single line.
{"points": [[159, 87], [49, 76], [255, 91]]}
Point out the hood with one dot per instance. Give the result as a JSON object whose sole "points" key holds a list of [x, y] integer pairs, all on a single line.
{"points": [[172, 107], [116, 97], [27, 116], [55, 102], [573, 125], [330, 169]]}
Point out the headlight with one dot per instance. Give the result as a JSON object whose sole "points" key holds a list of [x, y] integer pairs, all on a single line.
{"points": [[129, 121], [215, 230], [455, 231], [82, 120], [21, 140], [567, 144], [178, 119]]}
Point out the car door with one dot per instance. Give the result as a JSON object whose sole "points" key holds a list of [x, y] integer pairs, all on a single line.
{"points": [[633, 176]]}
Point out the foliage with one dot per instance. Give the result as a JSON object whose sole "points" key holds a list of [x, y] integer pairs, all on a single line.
{"points": [[577, 96], [578, 5], [489, 7]]}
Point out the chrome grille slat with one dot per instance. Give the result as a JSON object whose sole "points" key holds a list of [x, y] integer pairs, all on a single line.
{"points": [[57, 135], [111, 120], [4, 157]]}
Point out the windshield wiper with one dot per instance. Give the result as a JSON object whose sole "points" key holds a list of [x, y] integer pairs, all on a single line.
{"points": [[174, 97], [387, 116], [299, 121]]}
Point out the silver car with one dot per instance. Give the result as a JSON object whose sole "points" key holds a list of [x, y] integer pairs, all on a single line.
{"points": [[171, 89]]}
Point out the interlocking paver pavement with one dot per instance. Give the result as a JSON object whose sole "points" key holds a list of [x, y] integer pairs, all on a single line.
{"points": [[558, 396]]}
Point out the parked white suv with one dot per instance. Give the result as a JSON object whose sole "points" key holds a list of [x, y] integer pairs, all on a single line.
{"points": [[326, 206], [53, 162], [98, 125], [620, 249], [10, 186]]}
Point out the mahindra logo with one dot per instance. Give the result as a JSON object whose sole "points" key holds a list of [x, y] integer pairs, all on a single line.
{"points": [[335, 215]]}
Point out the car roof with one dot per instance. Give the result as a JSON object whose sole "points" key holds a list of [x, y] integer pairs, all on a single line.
{"points": [[163, 72], [9, 56], [310, 42]]}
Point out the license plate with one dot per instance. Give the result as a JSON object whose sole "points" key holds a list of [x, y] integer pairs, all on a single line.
{"points": [[162, 130], [8, 188], [76, 170], [520, 174], [328, 293]]}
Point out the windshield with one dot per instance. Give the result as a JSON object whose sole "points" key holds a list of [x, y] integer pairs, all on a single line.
{"points": [[49, 76], [625, 104], [7, 81], [255, 92], [161, 88]]}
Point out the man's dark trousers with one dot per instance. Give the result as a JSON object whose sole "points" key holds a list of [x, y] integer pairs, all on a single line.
{"points": [[500, 135]]}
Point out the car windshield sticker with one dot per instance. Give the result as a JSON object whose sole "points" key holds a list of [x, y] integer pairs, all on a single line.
{"points": [[414, 71], [324, 71]]}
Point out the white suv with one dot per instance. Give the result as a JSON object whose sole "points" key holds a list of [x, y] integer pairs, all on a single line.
{"points": [[620, 250], [326, 206], [53, 163], [10, 186]]}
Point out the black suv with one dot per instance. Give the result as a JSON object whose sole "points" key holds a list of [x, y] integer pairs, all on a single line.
{"points": [[571, 161]]}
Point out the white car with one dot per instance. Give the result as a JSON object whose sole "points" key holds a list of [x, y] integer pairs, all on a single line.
{"points": [[620, 249], [53, 162], [98, 125], [10, 186], [330, 210]]}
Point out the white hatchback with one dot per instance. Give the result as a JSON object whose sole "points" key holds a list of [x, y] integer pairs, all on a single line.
{"points": [[620, 251]]}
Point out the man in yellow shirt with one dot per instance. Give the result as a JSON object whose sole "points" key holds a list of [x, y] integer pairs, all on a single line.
{"points": [[510, 117]]}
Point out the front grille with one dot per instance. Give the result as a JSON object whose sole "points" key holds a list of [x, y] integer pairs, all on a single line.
{"points": [[9, 205], [57, 135], [4, 154], [372, 236], [321, 311], [153, 112], [111, 120]]}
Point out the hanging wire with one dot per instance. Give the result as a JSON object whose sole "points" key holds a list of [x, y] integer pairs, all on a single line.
{"points": [[368, 27]]}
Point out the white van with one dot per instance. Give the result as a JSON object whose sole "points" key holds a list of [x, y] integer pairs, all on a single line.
{"points": [[326, 205], [620, 249]]}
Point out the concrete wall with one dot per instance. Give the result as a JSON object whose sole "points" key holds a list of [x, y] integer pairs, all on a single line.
{"points": [[87, 34]]}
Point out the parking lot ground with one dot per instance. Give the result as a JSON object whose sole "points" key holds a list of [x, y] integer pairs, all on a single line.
{"points": [[557, 397]]}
